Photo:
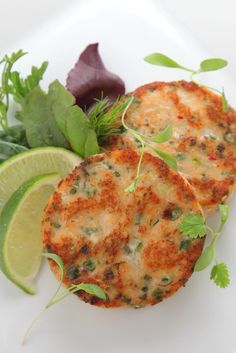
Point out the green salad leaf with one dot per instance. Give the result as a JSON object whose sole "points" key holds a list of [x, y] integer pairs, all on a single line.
{"points": [[81, 135], [39, 120], [9, 149], [14, 134]]}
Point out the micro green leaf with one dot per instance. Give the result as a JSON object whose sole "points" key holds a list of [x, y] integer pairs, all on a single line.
{"points": [[212, 64], [164, 135], [225, 105], [205, 259], [224, 213], [163, 60], [90, 288], [132, 186], [167, 158], [220, 275], [193, 226], [56, 259]]}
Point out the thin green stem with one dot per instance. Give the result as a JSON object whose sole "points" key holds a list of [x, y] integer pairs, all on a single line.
{"points": [[212, 232], [26, 334], [193, 72], [132, 187], [204, 86]]}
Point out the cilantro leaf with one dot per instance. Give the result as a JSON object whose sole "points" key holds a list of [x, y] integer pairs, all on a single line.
{"points": [[220, 275], [193, 226]]}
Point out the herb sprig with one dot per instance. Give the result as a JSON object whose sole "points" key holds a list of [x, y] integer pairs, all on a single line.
{"points": [[194, 226], [89, 288], [163, 136], [207, 65], [14, 85]]}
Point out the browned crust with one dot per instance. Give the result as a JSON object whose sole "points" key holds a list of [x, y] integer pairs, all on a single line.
{"points": [[212, 191], [163, 254]]}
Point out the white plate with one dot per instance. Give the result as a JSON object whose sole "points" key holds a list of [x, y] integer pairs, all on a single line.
{"points": [[199, 318]]}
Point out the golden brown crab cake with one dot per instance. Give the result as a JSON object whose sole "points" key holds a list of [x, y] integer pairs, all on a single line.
{"points": [[127, 243], [204, 139]]}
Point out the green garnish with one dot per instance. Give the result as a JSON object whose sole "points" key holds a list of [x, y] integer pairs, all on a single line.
{"points": [[207, 65], [89, 265], [147, 277], [180, 156], [230, 137], [89, 288], [194, 226], [14, 85], [185, 244], [175, 213], [157, 293], [139, 246], [164, 135]]}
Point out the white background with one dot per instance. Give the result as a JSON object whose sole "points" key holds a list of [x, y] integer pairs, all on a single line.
{"points": [[200, 318], [212, 22]]}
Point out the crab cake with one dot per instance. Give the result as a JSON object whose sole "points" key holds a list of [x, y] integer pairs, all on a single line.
{"points": [[204, 139], [127, 243]]}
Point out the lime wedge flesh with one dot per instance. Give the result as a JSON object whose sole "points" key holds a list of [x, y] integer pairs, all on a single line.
{"points": [[18, 169], [20, 231]]}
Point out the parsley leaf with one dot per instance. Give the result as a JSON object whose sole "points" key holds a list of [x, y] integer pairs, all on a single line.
{"points": [[220, 275], [193, 226]]}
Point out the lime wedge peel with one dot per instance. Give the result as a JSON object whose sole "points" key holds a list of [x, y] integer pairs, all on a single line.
{"points": [[20, 230], [16, 170]]}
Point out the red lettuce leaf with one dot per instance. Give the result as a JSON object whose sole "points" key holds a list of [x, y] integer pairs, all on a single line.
{"points": [[90, 80]]}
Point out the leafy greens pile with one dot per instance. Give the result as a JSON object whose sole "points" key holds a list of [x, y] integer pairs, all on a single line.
{"points": [[54, 118]]}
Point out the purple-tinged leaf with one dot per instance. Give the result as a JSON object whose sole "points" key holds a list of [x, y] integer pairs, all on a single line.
{"points": [[90, 80]]}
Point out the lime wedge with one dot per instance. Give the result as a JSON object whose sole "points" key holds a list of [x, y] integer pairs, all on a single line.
{"points": [[20, 231], [18, 169]]}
